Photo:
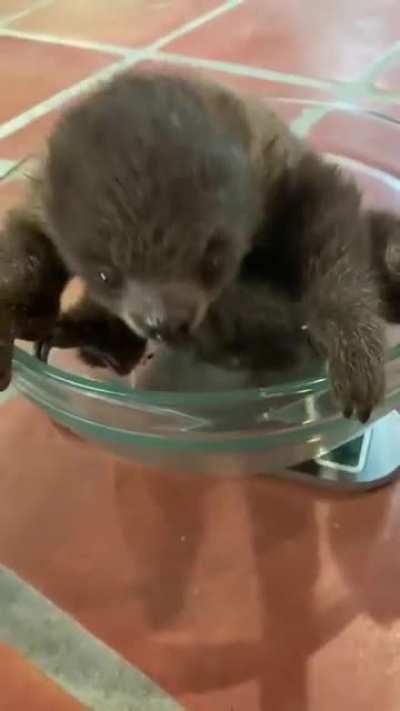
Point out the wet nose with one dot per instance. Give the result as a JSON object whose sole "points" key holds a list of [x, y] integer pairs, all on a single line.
{"points": [[169, 330]]}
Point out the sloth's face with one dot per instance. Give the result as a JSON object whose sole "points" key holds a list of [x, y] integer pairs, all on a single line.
{"points": [[160, 283], [151, 202], [164, 299]]}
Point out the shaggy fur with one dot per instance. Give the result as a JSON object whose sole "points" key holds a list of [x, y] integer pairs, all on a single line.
{"points": [[193, 214], [32, 278]]}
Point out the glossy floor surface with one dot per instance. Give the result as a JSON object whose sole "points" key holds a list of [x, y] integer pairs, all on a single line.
{"points": [[230, 595]]}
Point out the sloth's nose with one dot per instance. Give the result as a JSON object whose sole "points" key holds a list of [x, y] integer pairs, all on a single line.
{"points": [[171, 330]]}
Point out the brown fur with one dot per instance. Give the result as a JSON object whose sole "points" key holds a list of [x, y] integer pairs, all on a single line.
{"points": [[35, 304], [385, 257], [29, 299], [173, 197]]}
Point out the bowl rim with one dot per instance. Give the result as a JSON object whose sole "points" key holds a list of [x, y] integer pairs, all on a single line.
{"points": [[123, 392], [114, 390]]}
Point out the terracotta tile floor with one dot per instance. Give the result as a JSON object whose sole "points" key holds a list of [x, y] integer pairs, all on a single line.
{"points": [[133, 22], [33, 71], [28, 140], [389, 79], [10, 8], [233, 595], [24, 687], [285, 37], [10, 193]]}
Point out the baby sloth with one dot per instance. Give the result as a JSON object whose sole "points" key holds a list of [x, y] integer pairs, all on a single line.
{"points": [[168, 194]]}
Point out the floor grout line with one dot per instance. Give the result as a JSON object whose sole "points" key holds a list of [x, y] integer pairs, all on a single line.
{"points": [[377, 67], [56, 100], [309, 117], [362, 87], [162, 41], [89, 670], [385, 95], [152, 53], [24, 13], [66, 41], [243, 70], [118, 49], [6, 166], [342, 91], [194, 24], [131, 58]]}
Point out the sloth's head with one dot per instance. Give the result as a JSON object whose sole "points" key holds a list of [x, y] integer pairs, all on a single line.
{"points": [[151, 201]]}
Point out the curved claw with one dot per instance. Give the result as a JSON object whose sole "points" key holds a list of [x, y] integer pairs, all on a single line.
{"points": [[6, 352], [5, 379], [347, 412], [364, 415], [42, 350], [95, 357], [102, 342]]}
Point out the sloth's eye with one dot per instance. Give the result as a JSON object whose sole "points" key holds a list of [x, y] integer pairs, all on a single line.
{"points": [[109, 277], [213, 260], [211, 267]]}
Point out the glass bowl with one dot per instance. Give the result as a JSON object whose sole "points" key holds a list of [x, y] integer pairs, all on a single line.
{"points": [[223, 424]]}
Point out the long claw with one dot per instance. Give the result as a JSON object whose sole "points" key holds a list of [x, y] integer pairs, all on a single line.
{"points": [[42, 350], [5, 379]]}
